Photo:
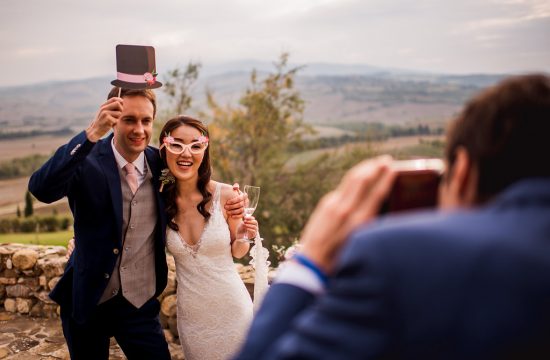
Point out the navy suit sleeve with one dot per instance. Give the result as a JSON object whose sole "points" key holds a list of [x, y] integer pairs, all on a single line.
{"points": [[350, 321], [52, 181]]}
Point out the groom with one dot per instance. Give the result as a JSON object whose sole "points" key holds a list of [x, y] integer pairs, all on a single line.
{"points": [[118, 269]]}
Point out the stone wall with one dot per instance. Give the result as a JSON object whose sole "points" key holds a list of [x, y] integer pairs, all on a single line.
{"points": [[29, 272]]}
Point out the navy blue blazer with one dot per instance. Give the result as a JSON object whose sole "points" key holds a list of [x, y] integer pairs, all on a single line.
{"points": [[464, 285], [87, 173]]}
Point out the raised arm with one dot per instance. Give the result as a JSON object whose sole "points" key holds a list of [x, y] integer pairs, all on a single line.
{"points": [[52, 181]]}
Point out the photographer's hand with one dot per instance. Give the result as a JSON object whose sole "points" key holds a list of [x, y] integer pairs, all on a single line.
{"points": [[355, 201]]}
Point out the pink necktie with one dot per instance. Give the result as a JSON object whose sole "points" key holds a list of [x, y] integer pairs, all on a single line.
{"points": [[131, 177]]}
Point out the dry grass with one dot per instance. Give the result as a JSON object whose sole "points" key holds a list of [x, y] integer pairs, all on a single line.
{"points": [[12, 193], [17, 148]]}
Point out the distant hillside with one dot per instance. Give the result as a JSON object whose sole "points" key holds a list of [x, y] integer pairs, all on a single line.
{"points": [[369, 95]]}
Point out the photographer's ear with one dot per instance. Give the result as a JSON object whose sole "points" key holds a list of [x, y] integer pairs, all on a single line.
{"points": [[459, 188]]}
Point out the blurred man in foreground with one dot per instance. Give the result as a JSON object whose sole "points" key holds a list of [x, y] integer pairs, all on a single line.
{"points": [[469, 281]]}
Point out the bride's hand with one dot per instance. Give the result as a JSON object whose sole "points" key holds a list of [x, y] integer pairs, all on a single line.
{"points": [[251, 225]]}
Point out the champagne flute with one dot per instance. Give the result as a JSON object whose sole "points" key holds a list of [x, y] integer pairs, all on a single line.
{"points": [[251, 203]]}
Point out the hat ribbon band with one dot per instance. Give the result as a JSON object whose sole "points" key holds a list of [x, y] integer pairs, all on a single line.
{"points": [[136, 79]]}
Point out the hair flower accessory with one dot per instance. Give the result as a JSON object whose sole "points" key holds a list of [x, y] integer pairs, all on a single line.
{"points": [[203, 139], [166, 178], [168, 139], [150, 77]]}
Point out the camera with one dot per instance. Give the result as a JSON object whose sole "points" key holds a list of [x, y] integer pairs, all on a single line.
{"points": [[415, 186]]}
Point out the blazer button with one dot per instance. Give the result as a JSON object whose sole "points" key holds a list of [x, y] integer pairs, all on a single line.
{"points": [[106, 275], [115, 251]]}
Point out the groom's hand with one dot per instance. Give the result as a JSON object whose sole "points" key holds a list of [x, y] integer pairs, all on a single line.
{"points": [[235, 205], [70, 248]]}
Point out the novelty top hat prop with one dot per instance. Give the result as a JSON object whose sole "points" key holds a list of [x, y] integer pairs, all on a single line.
{"points": [[135, 66]]}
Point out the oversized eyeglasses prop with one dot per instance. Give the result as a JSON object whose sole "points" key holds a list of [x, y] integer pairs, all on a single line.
{"points": [[176, 147]]}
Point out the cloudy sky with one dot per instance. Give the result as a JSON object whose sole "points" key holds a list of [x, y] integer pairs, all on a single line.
{"points": [[68, 39]]}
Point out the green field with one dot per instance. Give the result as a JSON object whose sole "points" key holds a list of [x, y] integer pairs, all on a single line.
{"points": [[52, 238]]}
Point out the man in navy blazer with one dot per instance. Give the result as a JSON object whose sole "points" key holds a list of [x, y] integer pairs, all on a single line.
{"points": [[469, 281], [86, 170]]}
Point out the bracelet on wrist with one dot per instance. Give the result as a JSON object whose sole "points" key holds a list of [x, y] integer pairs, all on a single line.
{"points": [[305, 261]]}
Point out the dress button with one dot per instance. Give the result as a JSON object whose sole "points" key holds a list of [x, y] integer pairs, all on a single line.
{"points": [[132, 226], [115, 251], [106, 275], [134, 203]]}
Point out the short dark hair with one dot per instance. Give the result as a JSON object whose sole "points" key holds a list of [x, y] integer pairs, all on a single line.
{"points": [[146, 93], [506, 131]]}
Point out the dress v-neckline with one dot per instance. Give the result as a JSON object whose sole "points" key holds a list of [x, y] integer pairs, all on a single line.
{"points": [[194, 248], [199, 241]]}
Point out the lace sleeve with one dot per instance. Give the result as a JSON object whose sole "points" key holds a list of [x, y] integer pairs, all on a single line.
{"points": [[260, 263]]}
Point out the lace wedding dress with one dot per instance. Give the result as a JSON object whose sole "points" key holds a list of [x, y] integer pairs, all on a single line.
{"points": [[214, 307]]}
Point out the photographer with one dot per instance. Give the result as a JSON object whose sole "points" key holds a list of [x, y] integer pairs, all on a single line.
{"points": [[468, 281]]}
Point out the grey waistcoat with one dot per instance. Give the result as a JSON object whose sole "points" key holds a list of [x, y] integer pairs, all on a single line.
{"points": [[134, 271]]}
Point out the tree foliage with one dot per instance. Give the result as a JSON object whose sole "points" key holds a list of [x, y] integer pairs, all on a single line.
{"points": [[254, 142], [178, 86], [28, 211]]}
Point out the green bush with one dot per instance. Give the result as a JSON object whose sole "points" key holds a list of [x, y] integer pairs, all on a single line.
{"points": [[50, 223]]}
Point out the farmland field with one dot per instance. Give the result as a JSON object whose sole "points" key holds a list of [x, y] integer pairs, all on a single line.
{"points": [[52, 238], [21, 147]]}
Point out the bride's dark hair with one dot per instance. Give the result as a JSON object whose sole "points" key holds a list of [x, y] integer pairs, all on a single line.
{"points": [[205, 171]]}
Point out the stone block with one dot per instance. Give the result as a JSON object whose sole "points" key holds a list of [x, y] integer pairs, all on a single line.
{"points": [[10, 305], [24, 259], [51, 310], [52, 267], [8, 280], [24, 306], [4, 352], [44, 297], [31, 282], [37, 310], [173, 326], [171, 284], [7, 249], [168, 306], [53, 282], [18, 291]]}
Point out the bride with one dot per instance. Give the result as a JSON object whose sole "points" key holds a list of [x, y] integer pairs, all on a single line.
{"points": [[213, 306]]}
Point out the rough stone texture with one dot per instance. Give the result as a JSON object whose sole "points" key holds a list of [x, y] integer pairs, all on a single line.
{"points": [[18, 290], [29, 322], [26, 338], [51, 266], [53, 282], [10, 306], [25, 259], [168, 306], [24, 306]]}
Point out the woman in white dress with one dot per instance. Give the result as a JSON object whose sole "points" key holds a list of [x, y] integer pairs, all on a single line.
{"points": [[213, 306]]}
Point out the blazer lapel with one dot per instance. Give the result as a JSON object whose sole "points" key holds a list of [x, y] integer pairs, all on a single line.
{"points": [[110, 170]]}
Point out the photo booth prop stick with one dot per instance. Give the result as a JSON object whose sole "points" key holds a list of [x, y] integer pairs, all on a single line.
{"points": [[135, 66]]}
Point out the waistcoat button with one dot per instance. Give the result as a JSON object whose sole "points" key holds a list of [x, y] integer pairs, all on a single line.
{"points": [[115, 251]]}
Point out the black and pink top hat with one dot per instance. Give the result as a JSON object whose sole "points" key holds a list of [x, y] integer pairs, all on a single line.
{"points": [[135, 66]]}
